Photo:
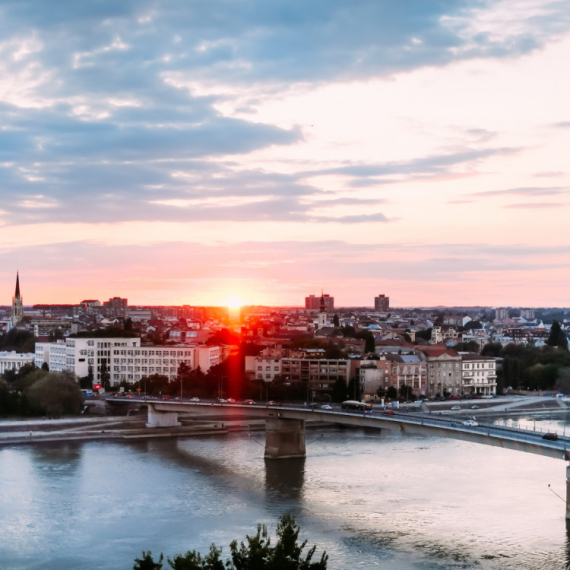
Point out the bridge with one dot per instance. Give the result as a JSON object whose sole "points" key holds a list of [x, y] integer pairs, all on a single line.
{"points": [[285, 427]]}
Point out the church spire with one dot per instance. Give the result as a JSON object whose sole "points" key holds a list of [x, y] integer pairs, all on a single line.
{"points": [[323, 306], [17, 293]]}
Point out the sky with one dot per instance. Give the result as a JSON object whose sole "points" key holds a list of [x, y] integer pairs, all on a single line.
{"points": [[188, 151]]}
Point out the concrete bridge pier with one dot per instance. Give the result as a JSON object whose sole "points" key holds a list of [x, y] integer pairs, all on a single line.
{"points": [[284, 439], [161, 419]]}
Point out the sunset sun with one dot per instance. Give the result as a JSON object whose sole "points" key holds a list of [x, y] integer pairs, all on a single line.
{"points": [[234, 302]]}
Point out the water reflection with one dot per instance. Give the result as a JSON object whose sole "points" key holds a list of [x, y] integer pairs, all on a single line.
{"points": [[284, 478]]}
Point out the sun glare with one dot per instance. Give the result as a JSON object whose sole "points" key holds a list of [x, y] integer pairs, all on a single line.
{"points": [[234, 302]]}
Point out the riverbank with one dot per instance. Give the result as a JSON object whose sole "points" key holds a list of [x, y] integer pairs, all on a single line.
{"points": [[26, 432]]}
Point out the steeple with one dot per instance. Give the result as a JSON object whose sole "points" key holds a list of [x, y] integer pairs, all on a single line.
{"points": [[322, 316], [17, 304], [17, 293]]}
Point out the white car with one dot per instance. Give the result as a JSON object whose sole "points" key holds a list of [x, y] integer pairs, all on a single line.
{"points": [[194, 399], [470, 423], [456, 407], [326, 407]]}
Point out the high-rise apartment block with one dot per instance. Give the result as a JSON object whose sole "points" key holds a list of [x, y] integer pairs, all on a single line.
{"points": [[381, 303], [313, 302]]}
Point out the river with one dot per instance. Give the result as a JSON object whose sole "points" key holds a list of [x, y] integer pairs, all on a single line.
{"points": [[369, 500]]}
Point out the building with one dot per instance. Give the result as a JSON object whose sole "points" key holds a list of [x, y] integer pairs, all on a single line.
{"points": [[17, 304], [116, 307], [313, 303], [408, 370], [501, 314], [479, 374], [124, 359], [382, 303], [374, 374], [14, 360], [322, 316], [444, 371], [528, 314], [319, 375]]}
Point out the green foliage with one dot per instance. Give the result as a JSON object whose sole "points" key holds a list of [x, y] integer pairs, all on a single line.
{"points": [[18, 340], [392, 393], [471, 346], [193, 560], [557, 336], [336, 322], [370, 343], [339, 391], [354, 389], [111, 332], [147, 562], [348, 331], [424, 334], [492, 349], [55, 394], [256, 553]]}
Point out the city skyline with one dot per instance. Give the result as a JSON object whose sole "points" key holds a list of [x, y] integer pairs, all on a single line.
{"points": [[180, 153]]}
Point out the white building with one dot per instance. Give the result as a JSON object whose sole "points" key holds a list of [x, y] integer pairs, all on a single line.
{"points": [[479, 374], [124, 358], [14, 360]]}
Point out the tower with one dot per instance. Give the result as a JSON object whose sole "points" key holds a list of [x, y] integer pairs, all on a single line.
{"points": [[322, 317], [17, 304]]}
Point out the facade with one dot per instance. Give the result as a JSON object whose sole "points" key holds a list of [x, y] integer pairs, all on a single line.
{"points": [[409, 370], [14, 360], [382, 303], [528, 314], [17, 305], [266, 368], [124, 358], [313, 303], [374, 374], [115, 307], [444, 372], [320, 375], [501, 313], [479, 374]]}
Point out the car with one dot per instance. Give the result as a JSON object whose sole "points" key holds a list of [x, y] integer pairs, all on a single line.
{"points": [[475, 407], [249, 402], [271, 403], [326, 407], [390, 412], [230, 401], [194, 399], [221, 401], [550, 436], [470, 423], [455, 407]]}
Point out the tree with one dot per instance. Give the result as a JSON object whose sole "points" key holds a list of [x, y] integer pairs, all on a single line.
{"points": [[425, 334], [557, 336], [492, 349], [336, 321], [354, 389], [55, 394], [370, 344], [405, 392], [392, 393], [256, 553], [105, 375], [147, 562], [340, 390]]}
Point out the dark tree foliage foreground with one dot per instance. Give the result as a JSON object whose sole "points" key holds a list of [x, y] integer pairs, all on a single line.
{"points": [[256, 553]]}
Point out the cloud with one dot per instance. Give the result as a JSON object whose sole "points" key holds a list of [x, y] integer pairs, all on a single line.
{"points": [[533, 205], [525, 191]]}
